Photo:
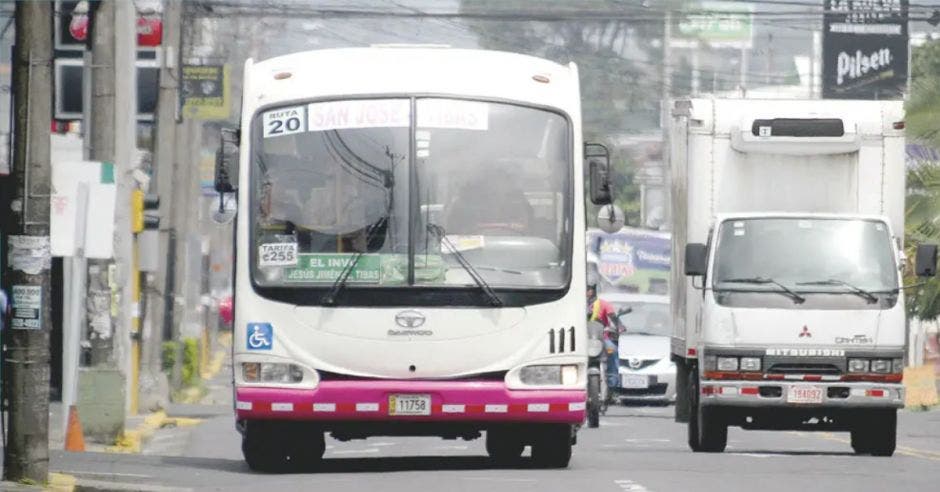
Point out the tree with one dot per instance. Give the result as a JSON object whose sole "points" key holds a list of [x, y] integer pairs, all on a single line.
{"points": [[922, 216]]}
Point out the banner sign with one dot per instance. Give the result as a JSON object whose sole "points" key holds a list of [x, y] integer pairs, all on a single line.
{"points": [[634, 258], [205, 92], [865, 49]]}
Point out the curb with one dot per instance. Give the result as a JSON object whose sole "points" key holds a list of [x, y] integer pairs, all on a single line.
{"points": [[131, 441], [61, 482]]}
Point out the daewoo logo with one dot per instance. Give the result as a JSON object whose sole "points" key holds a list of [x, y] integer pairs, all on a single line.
{"points": [[409, 319]]}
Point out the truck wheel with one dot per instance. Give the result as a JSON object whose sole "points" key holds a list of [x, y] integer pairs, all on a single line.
{"points": [[594, 401], [551, 447], [692, 426], [504, 446], [876, 433], [712, 430]]}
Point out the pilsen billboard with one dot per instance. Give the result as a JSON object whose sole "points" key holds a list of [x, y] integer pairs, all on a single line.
{"points": [[865, 49]]}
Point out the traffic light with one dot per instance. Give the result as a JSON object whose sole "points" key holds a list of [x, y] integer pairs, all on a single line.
{"points": [[143, 211]]}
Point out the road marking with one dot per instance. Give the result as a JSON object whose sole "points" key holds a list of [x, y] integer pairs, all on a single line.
{"points": [[356, 451], [382, 444], [631, 486], [902, 450], [451, 448], [640, 439], [499, 479]]}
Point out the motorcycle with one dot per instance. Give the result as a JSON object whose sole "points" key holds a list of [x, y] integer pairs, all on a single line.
{"points": [[599, 390]]}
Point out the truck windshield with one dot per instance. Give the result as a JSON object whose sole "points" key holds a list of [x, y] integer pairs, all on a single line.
{"points": [[806, 257], [334, 179]]}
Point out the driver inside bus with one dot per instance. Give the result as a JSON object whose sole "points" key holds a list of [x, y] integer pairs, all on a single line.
{"points": [[490, 204]]}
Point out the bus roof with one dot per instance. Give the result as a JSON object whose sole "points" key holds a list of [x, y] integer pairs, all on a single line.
{"points": [[411, 70]]}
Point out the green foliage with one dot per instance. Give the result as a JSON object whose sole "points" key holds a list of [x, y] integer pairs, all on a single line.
{"points": [[169, 352], [922, 224], [190, 368], [922, 217]]}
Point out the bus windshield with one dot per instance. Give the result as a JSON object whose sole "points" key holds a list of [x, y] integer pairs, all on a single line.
{"points": [[404, 186]]}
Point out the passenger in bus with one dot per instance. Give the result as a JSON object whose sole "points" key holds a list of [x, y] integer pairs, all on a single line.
{"points": [[490, 205]]}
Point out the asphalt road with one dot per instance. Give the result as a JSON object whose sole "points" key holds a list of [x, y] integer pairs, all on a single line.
{"points": [[636, 449]]}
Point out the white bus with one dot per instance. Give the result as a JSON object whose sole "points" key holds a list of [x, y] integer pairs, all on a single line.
{"points": [[410, 239]]}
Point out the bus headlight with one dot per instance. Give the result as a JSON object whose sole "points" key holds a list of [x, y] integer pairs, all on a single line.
{"points": [[549, 375], [269, 372]]}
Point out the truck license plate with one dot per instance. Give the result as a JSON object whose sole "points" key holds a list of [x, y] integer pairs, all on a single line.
{"points": [[634, 382], [409, 404], [804, 394]]}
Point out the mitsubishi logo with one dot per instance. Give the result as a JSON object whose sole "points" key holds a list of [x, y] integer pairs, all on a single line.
{"points": [[805, 332], [409, 319]]}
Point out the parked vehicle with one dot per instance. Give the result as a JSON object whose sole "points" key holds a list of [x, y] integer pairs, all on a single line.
{"points": [[788, 305]]}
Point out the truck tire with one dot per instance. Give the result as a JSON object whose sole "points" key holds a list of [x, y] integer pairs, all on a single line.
{"points": [[712, 430], [682, 391], [692, 410], [594, 401], [876, 433], [551, 447], [504, 446]]}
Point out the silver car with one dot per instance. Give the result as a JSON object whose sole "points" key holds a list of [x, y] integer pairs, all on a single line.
{"points": [[646, 373]]}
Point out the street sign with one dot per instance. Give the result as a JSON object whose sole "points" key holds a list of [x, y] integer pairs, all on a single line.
{"points": [[718, 24], [865, 49], [205, 92], [27, 305]]}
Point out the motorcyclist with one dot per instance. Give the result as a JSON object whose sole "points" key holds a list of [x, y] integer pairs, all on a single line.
{"points": [[603, 312]]}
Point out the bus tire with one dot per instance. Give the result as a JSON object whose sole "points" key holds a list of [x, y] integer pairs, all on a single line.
{"points": [[277, 447], [551, 447], [876, 433], [712, 430], [504, 446]]}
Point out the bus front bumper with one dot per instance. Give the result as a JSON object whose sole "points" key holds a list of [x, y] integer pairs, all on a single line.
{"points": [[463, 401]]}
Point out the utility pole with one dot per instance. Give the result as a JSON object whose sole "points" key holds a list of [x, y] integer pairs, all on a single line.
{"points": [[165, 164], [26, 455]]}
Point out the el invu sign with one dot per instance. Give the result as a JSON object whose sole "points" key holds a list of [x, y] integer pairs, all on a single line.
{"points": [[865, 49]]}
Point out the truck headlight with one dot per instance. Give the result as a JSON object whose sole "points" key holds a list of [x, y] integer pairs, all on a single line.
{"points": [[727, 363], [711, 362], [750, 363], [858, 365], [881, 366], [897, 366], [548, 375], [270, 372]]}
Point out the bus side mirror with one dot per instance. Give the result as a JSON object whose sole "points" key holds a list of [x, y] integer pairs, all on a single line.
{"points": [[925, 264], [226, 162], [696, 259], [598, 158]]}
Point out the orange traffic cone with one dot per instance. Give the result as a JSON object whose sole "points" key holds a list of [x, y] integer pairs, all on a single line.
{"points": [[74, 438]]}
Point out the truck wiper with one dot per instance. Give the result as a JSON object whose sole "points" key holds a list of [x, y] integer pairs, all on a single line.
{"points": [[867, 295], [798, 299], [474, 274], [330, 298]]}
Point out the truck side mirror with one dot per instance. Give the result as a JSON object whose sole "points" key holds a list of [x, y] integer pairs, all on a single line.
{"points": [[696, 259], [925, 264], [226, 162], [598, 158]]}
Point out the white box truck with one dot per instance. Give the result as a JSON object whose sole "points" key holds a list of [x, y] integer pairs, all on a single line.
{"points": [[787, 295]]}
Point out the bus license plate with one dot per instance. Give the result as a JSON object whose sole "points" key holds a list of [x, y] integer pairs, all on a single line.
{"points": [[409, 405], [804, 394], [634, 382]]}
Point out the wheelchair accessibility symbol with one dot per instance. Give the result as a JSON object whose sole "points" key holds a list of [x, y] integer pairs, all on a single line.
{"points": [[260, 336]]}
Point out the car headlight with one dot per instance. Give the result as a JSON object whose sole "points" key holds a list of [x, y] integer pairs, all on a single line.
{"points": [[548, 375], [881, 366], [858, 365], [750, 363], [727, 363], [270, 372]]}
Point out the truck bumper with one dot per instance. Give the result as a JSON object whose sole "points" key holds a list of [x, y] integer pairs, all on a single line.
{"points": [[775, 394], [363, 401]]}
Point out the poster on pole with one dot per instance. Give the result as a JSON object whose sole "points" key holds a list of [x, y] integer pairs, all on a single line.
{"points": [[865, 49], [205, 92]]}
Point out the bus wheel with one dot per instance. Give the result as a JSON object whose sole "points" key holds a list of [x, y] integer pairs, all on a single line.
{"points": [[261, 450], [274, 447], [551, 447], [504, 446]]}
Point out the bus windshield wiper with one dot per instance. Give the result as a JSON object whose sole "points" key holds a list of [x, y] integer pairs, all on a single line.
{"points": [[474, 274], [798, 299], [867, 295], [330, 298]]}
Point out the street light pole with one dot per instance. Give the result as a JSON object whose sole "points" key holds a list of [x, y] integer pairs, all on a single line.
{"points": [[26, 455]]}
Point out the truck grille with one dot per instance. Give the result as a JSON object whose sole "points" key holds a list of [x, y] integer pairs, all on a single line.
{"points": [[804, 368]]}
